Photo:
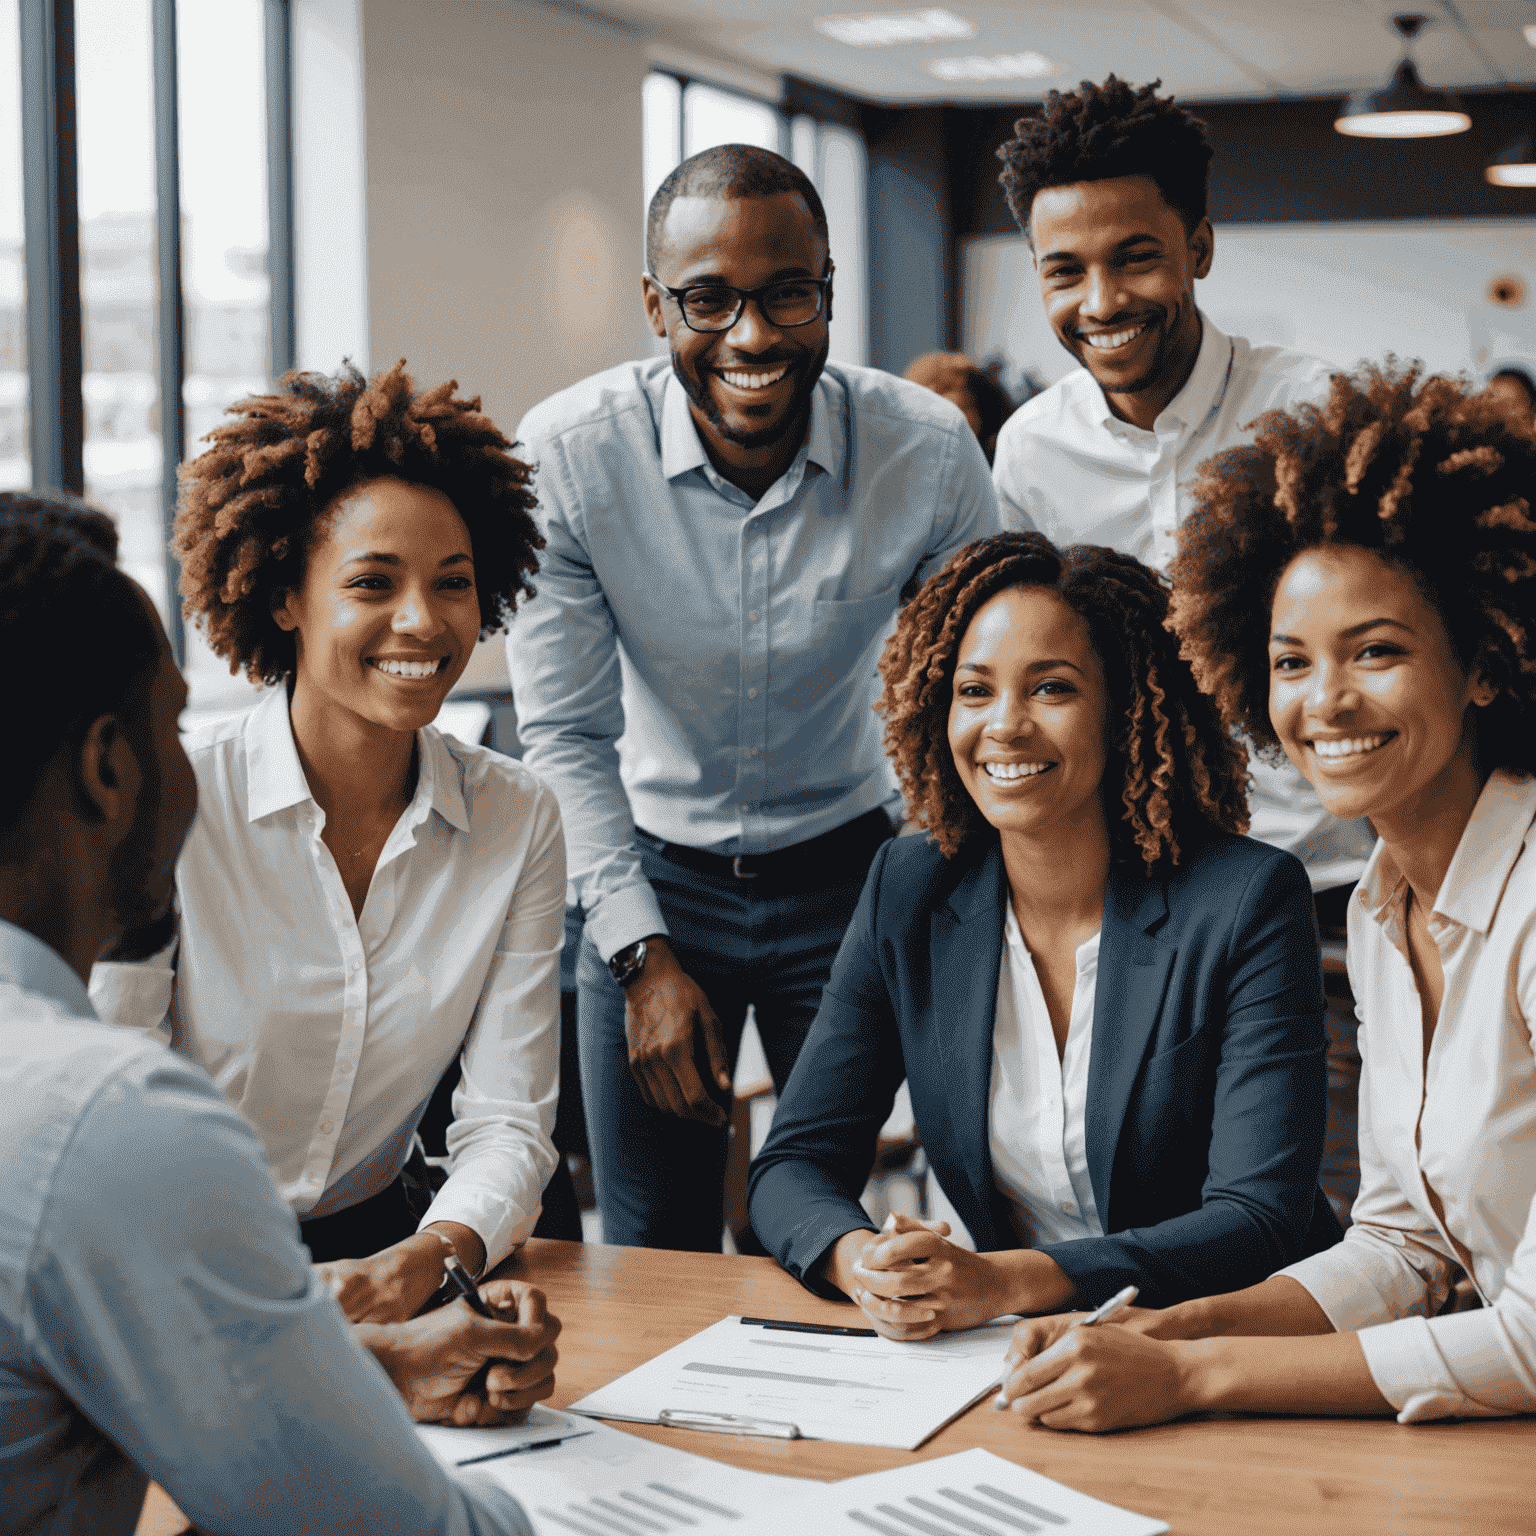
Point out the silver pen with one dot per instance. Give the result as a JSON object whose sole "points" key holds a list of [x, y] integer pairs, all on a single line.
{"points": [[1098, 1315]]}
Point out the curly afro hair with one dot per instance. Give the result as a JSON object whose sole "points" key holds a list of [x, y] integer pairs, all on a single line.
{"points": [[92, 648], [1181, 775], [1428, 476], [1101, 131], [251, 504]]}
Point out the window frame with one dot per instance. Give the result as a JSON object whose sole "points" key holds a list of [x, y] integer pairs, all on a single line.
{"points": [[51, 239]]}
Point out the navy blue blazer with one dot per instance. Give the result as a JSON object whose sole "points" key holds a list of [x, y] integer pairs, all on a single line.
{"points": [[1207, 1078]]}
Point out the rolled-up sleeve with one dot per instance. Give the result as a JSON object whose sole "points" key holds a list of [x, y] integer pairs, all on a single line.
{"points": [[563, 657], [499, 1147], [197, 1337]]}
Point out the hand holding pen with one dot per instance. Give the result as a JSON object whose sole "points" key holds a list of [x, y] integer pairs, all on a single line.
{"points": [[486, 1362]]}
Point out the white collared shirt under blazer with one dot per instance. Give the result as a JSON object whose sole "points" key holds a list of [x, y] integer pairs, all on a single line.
{"points": [[1459, 1129], [330, 1032], [1038, 1104]]}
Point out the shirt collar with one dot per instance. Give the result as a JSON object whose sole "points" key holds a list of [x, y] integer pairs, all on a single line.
{"points": [[1490, 843], [275, 778], [1202, 390], [36, 967], [682, 449]]}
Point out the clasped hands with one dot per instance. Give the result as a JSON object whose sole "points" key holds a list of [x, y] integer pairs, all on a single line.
{"points": [[912, 1283]]}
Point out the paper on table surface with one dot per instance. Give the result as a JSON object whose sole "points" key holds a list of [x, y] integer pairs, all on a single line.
{"points": [[607, 1481], [972, 1493], [863, 1391], [458, 1447]]}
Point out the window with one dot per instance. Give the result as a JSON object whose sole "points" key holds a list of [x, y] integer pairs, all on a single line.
{"points": [[148, 137], [15, 457], [683, 117]]}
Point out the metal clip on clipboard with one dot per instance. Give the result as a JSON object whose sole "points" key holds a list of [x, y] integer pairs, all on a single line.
{"points": [[727, 1423]]}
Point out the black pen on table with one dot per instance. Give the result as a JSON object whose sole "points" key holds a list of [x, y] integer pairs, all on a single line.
{"points": [[783, 1325], [467, 1287]]}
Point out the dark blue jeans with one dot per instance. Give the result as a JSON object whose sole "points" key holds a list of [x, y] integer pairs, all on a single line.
{"points": [[745, 942]]}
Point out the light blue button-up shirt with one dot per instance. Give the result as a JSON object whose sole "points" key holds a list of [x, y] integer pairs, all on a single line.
{"points": [[158, 1317], [704, 665]]}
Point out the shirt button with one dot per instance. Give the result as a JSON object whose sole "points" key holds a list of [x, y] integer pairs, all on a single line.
{"points": [[751, 693], [326, 1128], [751, 752], [1067, 1207], [345, 1067], [753, 616]]}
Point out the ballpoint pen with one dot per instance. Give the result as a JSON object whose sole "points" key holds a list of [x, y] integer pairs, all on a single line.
{"points": [[1098, 1315], [466, 1287]]}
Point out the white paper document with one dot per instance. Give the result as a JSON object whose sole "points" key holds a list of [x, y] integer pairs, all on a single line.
{"points": [[972, 1493], [607, 1483], [542, 1429], [865, 1391]]}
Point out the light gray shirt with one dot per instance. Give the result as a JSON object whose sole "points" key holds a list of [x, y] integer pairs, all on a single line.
{"points": [[704, 665], [158, 1317]]}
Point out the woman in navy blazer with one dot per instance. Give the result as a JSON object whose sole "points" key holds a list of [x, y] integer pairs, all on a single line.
{"points": [[1056, 748]]}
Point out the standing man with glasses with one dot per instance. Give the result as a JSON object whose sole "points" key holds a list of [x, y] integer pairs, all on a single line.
{"points": [[728, 534]]}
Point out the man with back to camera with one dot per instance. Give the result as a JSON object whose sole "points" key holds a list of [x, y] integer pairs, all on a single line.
{"points": [[158, 1316], [728, 533], [1109, 185]]}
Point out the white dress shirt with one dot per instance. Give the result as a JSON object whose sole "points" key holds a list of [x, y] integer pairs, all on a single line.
{"points": [[704, 664], [1462, 1125], [331, 1032], [1039, 1102], [158, 1318], [1067, 466]]}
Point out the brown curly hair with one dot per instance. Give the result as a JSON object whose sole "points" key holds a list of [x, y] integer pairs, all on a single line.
{"points": [[251, 504], [1180, 772], [1428, 476]]}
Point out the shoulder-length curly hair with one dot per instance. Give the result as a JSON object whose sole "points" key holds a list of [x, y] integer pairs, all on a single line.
{"points": [[1178, 771], [1426, 475], [251, 504]]}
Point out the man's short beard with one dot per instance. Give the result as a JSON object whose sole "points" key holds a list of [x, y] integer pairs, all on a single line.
{"points": [[696, 388]]}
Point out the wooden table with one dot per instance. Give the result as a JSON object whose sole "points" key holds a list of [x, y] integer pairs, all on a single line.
{"points": [[1205, 1477]]}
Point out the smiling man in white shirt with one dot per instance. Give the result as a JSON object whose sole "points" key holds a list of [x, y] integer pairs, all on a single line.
{"points": [[1109, 185]]}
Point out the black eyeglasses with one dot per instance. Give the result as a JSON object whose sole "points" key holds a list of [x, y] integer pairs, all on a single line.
{"points": [[712, 307]]}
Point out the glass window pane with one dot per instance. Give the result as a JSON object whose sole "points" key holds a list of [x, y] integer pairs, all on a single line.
{"points": [[841, 181], [226, 291], [802, 144], [115, 96], [712, 116], [661, 106], [15, 453]]}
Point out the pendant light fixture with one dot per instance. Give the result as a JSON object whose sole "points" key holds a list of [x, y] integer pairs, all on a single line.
{"points": [[1516, 167], [1405, 109]]}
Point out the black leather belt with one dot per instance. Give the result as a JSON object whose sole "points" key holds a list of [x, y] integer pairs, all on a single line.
{"points": [[813, 862]]}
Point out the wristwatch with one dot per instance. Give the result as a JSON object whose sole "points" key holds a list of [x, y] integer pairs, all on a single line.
{"points": [[627, 964]]}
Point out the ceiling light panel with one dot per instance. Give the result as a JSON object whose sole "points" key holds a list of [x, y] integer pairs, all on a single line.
{"points": [[879, 29], [1530, 35], [1028, 65]]}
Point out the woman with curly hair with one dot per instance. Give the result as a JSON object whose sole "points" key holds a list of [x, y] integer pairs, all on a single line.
{"points": [[363, 899], [1359, 590], [1106, 1003]]}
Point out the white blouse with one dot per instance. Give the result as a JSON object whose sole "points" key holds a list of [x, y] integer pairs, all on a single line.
{"points": [[331, 1032], [1463, 1125], [1038, 1103]]}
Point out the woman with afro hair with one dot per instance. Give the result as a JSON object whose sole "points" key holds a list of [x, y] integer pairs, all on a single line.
{"points": [[1106, 1003], [363, 900], [1359, 589]]}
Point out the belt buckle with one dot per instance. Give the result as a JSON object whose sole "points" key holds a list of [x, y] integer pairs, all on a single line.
{"points": [[740, 873]]}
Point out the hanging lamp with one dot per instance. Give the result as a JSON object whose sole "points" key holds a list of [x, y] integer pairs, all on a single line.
{"points": [[1516, 167], [1405, 109]]}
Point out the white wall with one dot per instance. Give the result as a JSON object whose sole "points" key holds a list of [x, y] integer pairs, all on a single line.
{"points": [[504, 218], [1338, 291]]}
